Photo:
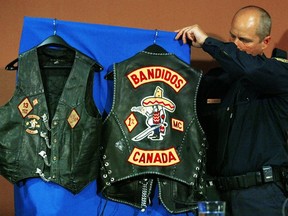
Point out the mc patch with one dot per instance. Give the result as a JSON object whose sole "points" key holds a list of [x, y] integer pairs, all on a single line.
{"points": [[177, 124]]}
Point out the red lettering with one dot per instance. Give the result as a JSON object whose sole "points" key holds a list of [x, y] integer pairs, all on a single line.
{"points": [[142, 159], [149, 157], [135, 156], [135, 79], [150, 73], [25, 105], [171, 156], [167, 75], [163, 74], [179, 83], [154, 158], [173, 79], [175, 124], [157, 158], [164, 158], [157, 73], [142, 76]]}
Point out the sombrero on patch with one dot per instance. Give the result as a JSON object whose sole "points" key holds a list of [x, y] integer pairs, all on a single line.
{"points": [[158, 99]]}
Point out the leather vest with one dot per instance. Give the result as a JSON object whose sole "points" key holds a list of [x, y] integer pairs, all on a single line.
{"points": [[51, 126], [152, 133]]}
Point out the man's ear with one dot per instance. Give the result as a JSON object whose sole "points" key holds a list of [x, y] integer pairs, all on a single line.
{"points": [[266, 42]]}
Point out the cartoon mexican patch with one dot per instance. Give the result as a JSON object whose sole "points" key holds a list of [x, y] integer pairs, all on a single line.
{"points": [[154, 109]]}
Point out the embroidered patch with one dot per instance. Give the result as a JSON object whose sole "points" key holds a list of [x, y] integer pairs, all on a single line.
{"points": [[142, 157], [73, 118], [157, 74], [154, 109], [25, 107], [177, 124], [131, 122], [35, 101], [32, 124]]}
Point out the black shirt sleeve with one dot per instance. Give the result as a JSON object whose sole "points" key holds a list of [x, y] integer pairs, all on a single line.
{"points": [[268, 75]]}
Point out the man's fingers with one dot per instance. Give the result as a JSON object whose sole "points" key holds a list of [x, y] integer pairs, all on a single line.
{"points": [[179, 33], [184, 34]]}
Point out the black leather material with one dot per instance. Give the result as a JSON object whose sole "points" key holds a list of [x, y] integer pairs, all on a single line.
{"points": [[51, 127], [152, 134]]}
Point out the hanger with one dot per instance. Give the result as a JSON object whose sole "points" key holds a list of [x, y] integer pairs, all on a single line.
{"points": [[11, 65], [154, 47], [53, 41], [110, 74]]}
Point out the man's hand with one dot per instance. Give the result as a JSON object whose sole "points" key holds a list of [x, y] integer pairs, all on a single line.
{"points": [[193, 33]]}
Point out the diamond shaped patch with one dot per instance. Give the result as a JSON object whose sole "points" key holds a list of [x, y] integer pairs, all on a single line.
{"points": [[131, 122], [25, 107], [73, 118]]}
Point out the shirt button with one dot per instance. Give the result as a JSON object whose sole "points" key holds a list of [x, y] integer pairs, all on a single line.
{"points": [[55, 123], [54, 158], [55, 140]]}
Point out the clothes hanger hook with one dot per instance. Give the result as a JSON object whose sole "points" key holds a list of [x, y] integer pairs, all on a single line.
{"points": [[54, 26], [155, 36]]}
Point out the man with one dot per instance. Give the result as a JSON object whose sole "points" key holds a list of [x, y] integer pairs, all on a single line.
{"points": [[251, 117]]}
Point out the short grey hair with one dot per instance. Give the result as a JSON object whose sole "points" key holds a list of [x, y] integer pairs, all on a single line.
{"points": [[265, 24]]}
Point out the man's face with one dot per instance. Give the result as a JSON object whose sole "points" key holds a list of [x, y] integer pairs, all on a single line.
{"points": [[243, 33]]}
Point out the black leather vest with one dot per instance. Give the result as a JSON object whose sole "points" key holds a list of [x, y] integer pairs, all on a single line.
{"points": [[152, 133], [51, 126]]}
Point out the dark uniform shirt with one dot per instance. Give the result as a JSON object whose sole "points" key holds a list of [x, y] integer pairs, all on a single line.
{"points": [[251, 122]]}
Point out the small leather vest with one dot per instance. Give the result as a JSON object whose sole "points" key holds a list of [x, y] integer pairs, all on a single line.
{"points": [[152, 133], [51, 126]]}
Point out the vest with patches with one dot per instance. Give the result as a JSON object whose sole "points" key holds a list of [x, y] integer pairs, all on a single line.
{"points": [[152, 134], [51, 127]]}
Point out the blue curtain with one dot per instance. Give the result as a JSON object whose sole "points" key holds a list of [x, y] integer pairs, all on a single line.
{"points": [[107, 45]]}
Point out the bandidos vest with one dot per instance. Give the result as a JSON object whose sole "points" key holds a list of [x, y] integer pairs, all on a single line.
{"points": [[152, 133]]}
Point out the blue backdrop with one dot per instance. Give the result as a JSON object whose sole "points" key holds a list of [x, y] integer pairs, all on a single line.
{"points": [[107, 45]]}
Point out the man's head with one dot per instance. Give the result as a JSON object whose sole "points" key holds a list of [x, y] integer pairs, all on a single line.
{"points": [[250, 30]]}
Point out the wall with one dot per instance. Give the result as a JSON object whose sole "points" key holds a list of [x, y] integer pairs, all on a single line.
{"points": [[213, 16]]}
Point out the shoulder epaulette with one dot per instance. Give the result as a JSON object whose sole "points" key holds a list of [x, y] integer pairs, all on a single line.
{"points": [[281, 59]]}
